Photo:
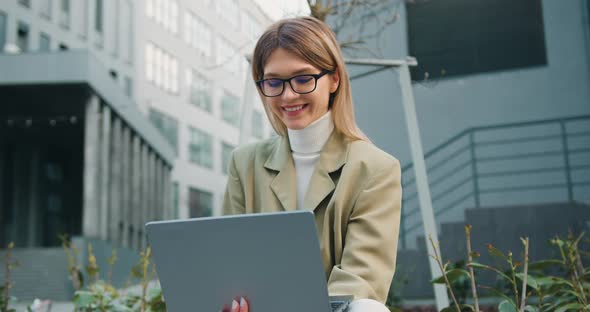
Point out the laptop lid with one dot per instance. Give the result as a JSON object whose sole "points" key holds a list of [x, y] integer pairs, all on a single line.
{"points": [[273, 259]]}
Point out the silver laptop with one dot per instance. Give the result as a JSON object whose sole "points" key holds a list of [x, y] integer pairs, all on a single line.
{"points": [[273, 259]]}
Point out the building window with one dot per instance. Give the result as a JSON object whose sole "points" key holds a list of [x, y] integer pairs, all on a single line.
{"points": [[64, 13], [200, 90], [164, 13], [226, 150], [2, 31], [257, 126], [22, 37], [230, 109], [44, 42], [98, 22], [167, 125], [200, 203], [474, 36], [200, 148], [82, 20], [197, 34], [161, 68], [46, 8], [25, 3]]}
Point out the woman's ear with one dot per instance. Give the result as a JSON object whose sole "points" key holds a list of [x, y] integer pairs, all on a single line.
{"points": [[334, 81]]}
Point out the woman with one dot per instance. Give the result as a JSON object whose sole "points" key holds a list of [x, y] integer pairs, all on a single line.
{"points": [[320, 161]]}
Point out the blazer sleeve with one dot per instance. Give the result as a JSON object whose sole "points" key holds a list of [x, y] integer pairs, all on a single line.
{"points": [[233, 200], [369, 253]]}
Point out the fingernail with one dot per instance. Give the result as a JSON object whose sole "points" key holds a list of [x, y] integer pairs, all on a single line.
{"points": [[242, 302], [234, 305]]}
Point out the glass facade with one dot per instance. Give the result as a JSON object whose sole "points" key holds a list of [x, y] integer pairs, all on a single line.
{"points": [[199, 90], [164, 12], [167, 125], [230, 109], [197, 34], [200, 203], [200, 148], [161, 68]]}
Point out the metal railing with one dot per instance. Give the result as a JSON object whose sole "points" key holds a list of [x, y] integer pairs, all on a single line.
{"points": [[501, 165]]}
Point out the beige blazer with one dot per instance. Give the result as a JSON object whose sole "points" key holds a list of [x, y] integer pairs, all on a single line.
{"points": [[355, 194]]}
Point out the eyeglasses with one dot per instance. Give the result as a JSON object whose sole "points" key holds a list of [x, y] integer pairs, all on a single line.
{"points": [[301, 84]]}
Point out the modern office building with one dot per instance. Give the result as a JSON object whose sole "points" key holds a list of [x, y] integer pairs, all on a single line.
{"points": [[502, 93], [190, 81], [113, 113]]}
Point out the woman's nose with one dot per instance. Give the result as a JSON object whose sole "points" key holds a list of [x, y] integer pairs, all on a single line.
{"points": [[288, 92]]}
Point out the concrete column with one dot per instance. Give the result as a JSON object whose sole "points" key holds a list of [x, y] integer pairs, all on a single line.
{"points": [[115, 198], [143, 208], [125, 185], [159, 187], [153, 187], [105, 172], [134, 212], [90, 210], [167, 191]]}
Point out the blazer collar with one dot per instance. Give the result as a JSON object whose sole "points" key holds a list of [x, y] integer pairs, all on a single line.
{"points": [[332, 157]]}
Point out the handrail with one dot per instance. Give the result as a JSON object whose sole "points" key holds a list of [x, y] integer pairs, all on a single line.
{"points": [[496, 158]]}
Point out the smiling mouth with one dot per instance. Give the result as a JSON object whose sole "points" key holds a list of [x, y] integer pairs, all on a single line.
{"points": [[291, 109]]}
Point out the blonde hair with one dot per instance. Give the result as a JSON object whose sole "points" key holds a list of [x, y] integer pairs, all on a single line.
{"points": [[313, 41]]}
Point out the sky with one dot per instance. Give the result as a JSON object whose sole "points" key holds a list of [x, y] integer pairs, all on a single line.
{"points": [[278, 9]]}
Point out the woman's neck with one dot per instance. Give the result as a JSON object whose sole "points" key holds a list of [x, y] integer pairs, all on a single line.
{"points": [[312, 138]]}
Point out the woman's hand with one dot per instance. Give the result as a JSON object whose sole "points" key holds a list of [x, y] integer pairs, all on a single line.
{"points": [[238, 305]]}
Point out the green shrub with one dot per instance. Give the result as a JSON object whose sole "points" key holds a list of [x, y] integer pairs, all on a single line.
{"points": [[560, 285]]}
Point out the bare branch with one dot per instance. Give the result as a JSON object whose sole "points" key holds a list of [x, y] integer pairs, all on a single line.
{"points": [[471, 273], [524, 279]]}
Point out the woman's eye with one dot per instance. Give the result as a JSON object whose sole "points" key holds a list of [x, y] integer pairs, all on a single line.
{"points": [[303, 79], [274, 83]]}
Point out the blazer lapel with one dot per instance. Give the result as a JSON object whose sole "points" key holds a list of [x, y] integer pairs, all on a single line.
{"points": [[283, 185], [332, 158]]}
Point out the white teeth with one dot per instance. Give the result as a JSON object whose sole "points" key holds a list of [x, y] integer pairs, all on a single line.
{"points": [[295, 108]]}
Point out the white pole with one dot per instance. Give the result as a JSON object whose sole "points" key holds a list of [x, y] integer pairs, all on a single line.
{"points": [[440, 291]]}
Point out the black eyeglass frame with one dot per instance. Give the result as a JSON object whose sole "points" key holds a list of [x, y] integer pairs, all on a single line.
{"points": [[315, 77]]}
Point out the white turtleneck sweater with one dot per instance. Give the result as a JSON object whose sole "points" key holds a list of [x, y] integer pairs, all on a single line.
{"points": [[306, 145]]}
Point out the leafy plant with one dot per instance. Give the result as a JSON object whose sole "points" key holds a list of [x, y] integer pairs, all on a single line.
{"points": [[74, 268], [559, 285], [103, 296]]}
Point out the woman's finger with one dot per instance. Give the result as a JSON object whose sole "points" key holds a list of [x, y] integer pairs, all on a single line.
{"points": [[235, 306], [243, 305]]}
